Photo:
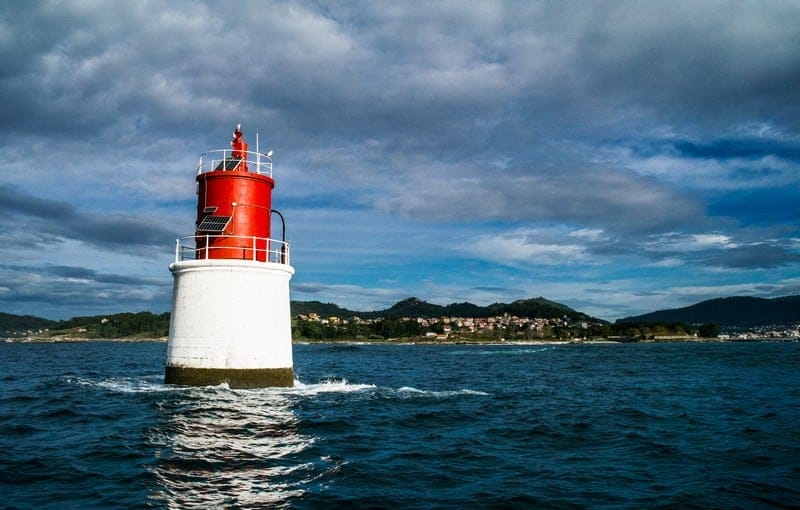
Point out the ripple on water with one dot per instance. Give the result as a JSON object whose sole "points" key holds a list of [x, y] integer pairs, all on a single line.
{"points": [[635, 426]]}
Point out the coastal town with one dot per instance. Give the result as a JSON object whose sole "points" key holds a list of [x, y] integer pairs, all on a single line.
{"points": [[510, 327], [442, 328], [506, 327]]}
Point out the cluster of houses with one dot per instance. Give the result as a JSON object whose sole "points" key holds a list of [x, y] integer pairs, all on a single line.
{"points": [[773, 332], [449, 325]]}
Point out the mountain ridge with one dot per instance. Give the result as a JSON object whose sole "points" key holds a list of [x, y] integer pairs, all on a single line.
{"points": [[414, 307], [733, 311], [12, 322], [409, 307], [730, 312]]}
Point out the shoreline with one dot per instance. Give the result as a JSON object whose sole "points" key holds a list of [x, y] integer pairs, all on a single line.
{"points": [[75, 340], [409, 341]]}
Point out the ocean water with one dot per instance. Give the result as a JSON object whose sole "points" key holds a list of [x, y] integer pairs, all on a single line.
{"points": [[683, 425]]}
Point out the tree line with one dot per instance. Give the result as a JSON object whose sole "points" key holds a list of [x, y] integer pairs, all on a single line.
{"points": [[398, 328], [120, 325], [378, 330], [150, 325]]}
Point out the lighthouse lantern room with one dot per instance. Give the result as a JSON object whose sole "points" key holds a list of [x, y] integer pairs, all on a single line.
{"points": [[230, 320]]}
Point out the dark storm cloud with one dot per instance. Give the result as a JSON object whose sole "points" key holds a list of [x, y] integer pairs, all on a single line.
{"points": [[402, 71], [705, 62], [56, 219], [449, 82]]}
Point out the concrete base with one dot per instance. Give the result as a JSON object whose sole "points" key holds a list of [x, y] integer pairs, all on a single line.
{"points": [[230, 324], [234, 378]]}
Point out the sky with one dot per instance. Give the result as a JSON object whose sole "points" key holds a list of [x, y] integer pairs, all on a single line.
{"points": [[617, 157]]}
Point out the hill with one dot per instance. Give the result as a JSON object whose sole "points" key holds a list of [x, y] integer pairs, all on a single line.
{"points": [[120, 325], [738, 312], [10, 323], [318, 307], [149, 325], [730, 312], [414, 307], [537, 307]]}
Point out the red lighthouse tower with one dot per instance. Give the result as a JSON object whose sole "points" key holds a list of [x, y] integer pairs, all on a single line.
{"points": [[230, 321], [233, 204]]}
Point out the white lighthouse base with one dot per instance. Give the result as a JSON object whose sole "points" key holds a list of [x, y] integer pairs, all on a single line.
{"points": [[230, 323]]}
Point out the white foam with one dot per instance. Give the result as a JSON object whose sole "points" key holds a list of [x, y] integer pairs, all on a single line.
{"points": [[503, 351], [155, 383], [145, 384], [328, 386], [440, 394], [150, 384]]}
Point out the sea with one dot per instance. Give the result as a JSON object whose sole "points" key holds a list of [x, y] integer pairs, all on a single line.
{"points": [[644, 425]]}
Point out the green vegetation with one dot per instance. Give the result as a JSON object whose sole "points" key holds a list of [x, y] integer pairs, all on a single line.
{"points": [[144, 325], [121, 325], [412, 330], [537, 307], [650, 330], [323, 309], [314, 320], [14, 324], [708, 331], [379, 330]]}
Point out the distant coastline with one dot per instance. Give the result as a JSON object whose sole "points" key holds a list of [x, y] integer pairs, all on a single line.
{"points": [[77, 340], [412, 320], [423, 341]]}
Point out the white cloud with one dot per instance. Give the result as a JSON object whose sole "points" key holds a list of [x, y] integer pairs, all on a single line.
{"points": [[529, 247], [678, 242], [591, 234], [668, 262]]}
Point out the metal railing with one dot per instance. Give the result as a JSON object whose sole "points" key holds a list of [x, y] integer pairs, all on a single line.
{"points": [[259, 249], [216, 160]]}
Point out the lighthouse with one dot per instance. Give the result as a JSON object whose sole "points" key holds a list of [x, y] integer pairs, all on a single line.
{"points": [[230, 320]]}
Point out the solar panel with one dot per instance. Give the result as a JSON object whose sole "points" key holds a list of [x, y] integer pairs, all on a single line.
{"points": [[228, 164], [213, 223]]}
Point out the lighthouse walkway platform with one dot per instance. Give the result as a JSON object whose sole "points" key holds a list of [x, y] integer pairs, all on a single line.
{"points": [[203, 247]]}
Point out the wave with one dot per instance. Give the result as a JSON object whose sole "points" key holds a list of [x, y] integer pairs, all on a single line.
{"points": [[327, 386], [502, 351], [344, 386], [144, 384], [154, 384], [440, 394]]}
